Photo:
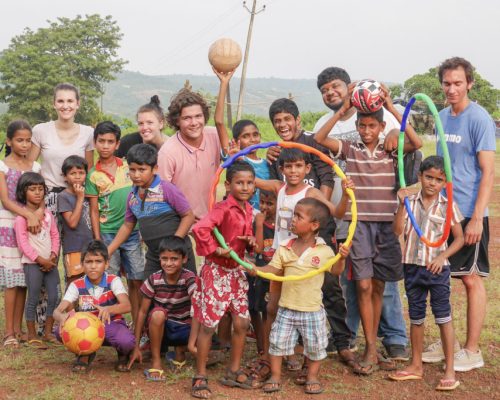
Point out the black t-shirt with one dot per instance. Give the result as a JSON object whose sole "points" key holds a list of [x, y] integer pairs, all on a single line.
{"points": [[126, 142]]}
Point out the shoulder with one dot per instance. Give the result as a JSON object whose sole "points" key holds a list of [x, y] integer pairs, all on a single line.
{"points": [[187, 275], [4, 168], [322, 121], [36, 167], [41, 131]]}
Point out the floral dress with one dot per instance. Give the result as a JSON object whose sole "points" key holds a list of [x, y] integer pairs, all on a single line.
{"points": [[11, 268]]}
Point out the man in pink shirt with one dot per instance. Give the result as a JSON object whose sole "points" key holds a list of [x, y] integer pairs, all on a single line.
{"points": [[190, 158]]}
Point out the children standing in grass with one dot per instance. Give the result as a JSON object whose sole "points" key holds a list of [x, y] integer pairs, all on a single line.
{"points": [[12, 278], [427, 269]]}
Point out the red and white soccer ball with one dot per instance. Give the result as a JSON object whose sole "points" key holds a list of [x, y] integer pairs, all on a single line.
{"points": [[83, 333], [366, 96]]}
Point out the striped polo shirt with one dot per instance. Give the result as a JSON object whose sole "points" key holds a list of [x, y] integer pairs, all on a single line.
{"points": [[176, 298], [431, 222], [374, 175]]}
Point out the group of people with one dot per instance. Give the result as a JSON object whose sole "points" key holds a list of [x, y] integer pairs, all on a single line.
{"points": [[288, 214]]}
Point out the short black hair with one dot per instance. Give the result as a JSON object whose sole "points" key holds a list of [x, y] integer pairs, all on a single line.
{"points": [[174, 244], [143, 154], [74, 162], [107, 127], [267, 193], [96, 247], [317, 210], [238, 166], [240, 125], [332, 73], [25, 181], [292, 155], [436, 162], [283, 106], [378, 115]]}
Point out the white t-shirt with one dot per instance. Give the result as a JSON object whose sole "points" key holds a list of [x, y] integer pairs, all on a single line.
{"points": [[346, 130], [96, 291], [54, 152]]}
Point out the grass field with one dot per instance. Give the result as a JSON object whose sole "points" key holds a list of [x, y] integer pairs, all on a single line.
{"points": [[29, 374]]}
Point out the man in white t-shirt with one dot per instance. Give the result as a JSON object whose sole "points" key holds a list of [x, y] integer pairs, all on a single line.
{"points": [[332, 83]]}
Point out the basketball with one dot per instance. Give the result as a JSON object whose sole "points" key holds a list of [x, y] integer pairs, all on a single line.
{"points": [[366, 96], [83, 333], [224, 55]]}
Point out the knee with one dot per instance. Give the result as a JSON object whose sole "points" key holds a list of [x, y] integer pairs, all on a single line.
{"points": [[206, 331], [364, 287], [240, 325], [472, 282], [157, 318]]}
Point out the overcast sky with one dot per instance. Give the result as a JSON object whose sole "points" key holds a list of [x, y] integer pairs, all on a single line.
{"points": [[389, 40]]}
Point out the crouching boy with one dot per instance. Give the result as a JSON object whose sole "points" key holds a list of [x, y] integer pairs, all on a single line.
{"points": [[103, 295], [165, 308]]}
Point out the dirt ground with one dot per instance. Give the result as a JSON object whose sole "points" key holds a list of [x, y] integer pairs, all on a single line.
{"points": [[30, 374]]}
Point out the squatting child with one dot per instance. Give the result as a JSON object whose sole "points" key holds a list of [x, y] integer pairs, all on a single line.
{"points": [[427, 269], [301, 309], [103, 295], [165, 308], [376, 252]]}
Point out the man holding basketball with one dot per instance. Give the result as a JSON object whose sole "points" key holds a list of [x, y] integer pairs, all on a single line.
{"points": [[332, 83], [470, 136]]}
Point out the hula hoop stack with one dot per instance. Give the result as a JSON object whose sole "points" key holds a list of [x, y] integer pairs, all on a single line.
{"points": [[447, 168], [307, 149]]}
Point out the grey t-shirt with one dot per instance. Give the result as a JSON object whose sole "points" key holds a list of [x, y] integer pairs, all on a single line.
{"points": [[74, 240]]}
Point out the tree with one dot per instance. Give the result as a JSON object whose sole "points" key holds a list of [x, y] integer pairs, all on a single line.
{"points": [[483, 91], [82, 51]]}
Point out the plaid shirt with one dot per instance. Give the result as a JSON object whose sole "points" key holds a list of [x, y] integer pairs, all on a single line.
{"points": [[431, 222]]}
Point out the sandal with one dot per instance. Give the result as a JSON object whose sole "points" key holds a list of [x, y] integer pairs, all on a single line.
{"points": [[347, 358], [198, 385], [386, 364], [175, 366], [365, 368], [11, 341], [309, 387], [448, 384], [301, 377], [52, 339], [292, 364], [121, 364], [37, 344], [22, 337], [271, 386], [215, 357], [233, 379], [159, 377], [82, 367], [262, 371]]}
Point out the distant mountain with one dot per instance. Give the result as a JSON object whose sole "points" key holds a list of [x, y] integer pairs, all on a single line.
{"points": [[130, 90]]}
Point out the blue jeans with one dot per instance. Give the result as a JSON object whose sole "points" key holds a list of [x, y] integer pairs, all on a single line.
{"points": [[392, 326], [129, 254]]}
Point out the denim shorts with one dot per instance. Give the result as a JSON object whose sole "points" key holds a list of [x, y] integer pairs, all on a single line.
{"points": [[129, 254]]}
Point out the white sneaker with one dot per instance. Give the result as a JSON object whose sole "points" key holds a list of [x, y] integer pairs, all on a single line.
{"points": [[466, 360], [434, 352]]}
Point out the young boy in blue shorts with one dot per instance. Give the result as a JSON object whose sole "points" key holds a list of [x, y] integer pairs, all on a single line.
{"points": [[158, 206], [103, 295], [107, 187], [300, 306], [376, 252], [245, 134], [165, 308], [427, 269]]}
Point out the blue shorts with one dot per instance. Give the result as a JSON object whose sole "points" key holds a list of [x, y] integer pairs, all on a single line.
{"points": [[418, 283], [174, 333], [129, 254], [311, 325]]}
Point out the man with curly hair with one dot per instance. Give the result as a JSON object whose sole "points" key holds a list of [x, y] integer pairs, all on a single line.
{"points": [[192, 155]]}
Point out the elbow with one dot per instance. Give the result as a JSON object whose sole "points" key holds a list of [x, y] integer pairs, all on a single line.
{"points": [[317, 139]]}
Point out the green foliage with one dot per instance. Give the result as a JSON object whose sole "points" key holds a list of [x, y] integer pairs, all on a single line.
{"points": [[82, 51], [483, 91], [396, 91]]}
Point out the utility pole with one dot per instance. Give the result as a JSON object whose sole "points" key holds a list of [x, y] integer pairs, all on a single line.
{"points": [[229, 110], [253, 13]]}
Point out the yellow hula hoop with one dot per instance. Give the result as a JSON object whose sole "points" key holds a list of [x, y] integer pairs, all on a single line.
{"points": [[352, 226]]}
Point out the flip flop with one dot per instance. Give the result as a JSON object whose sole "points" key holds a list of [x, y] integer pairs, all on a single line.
{"points": [[386, 364], [308, 390], [151, 378], [365, 368], [175, 366], [10, 341], [404, 376], [37, 344], [448, 384]]}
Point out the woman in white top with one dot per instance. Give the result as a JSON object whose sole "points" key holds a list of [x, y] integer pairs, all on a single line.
{"points": [[56, 140]]}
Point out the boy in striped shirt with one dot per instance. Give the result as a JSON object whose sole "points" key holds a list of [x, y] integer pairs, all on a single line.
{"points": [[375, 253], [165, 308], [427, 269]]}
